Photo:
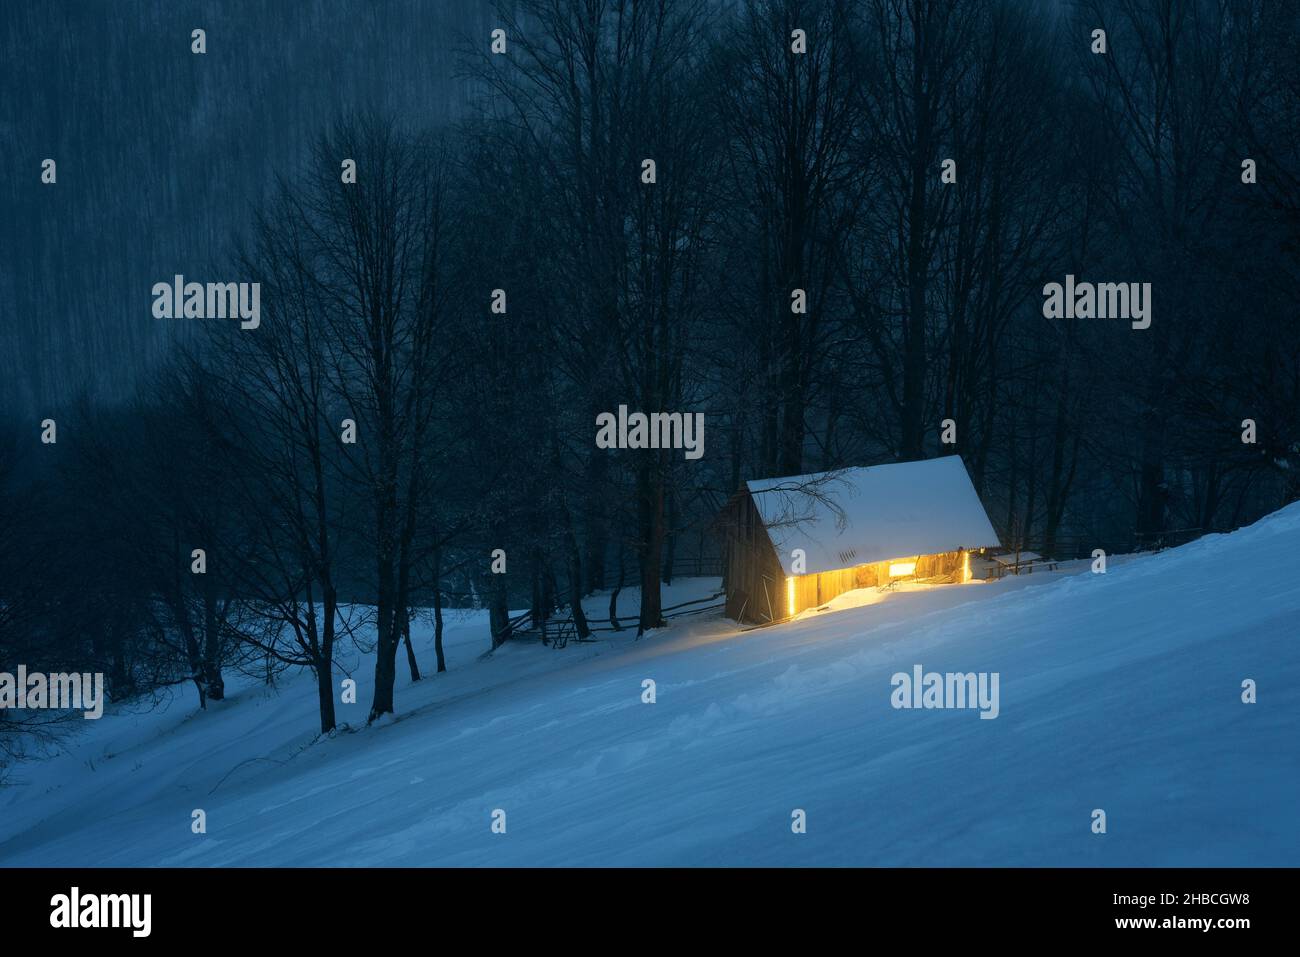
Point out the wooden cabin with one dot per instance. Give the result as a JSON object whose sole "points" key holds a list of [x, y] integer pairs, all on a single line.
{"points": [[795, 543]]}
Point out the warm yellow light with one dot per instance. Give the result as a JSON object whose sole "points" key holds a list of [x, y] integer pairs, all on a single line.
{"points": [[901, 569], [789, 596], [965, 566]]}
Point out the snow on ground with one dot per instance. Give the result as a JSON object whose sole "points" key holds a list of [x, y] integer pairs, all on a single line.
{"points": [[1118, 691]]}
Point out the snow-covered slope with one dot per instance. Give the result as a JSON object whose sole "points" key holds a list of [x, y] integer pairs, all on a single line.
{"points": [[1119, 691]]}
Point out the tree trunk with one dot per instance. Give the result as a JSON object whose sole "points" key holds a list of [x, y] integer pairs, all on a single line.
{"points": [[1031, 488], [1013, 479], [651, 508], [385, 675], [325, 658], [325, 694], [1151, 490], [549, 590], [1056, 479], [410, 652], [670, 539], [385, 648], [386, 535], [919, 99], [541, 609], [575, 589], [613, 595], [575, 564], [913, 431], [499, 611], [216, 685], [437, 610], [594, 566], [793, 395], [198, 674]]}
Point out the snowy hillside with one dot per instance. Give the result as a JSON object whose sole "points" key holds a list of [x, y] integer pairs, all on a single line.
{"points": [[1119, 691]]}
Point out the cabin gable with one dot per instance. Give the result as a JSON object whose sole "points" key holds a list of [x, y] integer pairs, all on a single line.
{"points": [[752, 573]]}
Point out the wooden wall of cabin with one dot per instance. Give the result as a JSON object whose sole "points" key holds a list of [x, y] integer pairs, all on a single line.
{"points": [[754, 579], [812, 591]]}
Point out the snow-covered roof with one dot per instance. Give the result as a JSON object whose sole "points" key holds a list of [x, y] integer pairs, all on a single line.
{"points": [[861, 515]]}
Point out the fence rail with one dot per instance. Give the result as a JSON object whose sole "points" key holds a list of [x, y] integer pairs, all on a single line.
{"points": [[1079, 546], [695, 566], [558, 632]]}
